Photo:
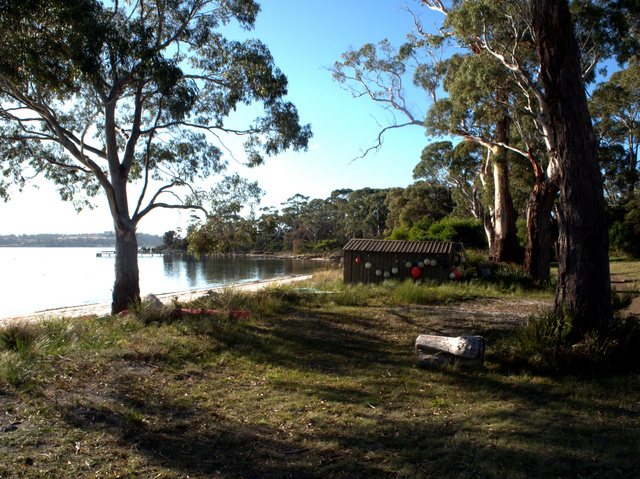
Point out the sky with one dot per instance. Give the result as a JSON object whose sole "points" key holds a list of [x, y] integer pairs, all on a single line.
{"points": [[305, 38]]}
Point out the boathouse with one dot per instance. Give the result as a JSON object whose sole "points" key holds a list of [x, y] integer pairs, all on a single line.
{"points": [[373, 261]]}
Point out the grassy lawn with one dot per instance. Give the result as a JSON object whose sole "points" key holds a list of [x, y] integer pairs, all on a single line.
{"points": [[312, 385]]}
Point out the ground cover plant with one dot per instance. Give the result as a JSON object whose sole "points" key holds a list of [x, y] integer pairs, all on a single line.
{"points": [[321, 381]]}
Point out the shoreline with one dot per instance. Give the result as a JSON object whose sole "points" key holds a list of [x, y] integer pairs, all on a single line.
{"points": [[104, 309]]}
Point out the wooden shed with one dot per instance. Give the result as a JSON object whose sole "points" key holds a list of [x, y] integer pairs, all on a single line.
{"points": [[373, 261]]}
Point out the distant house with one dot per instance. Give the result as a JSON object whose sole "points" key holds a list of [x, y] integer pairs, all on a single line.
{"points": [[373, 261]]}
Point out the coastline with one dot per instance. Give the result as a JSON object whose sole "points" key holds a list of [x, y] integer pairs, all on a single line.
{"points": [[104, 309]]}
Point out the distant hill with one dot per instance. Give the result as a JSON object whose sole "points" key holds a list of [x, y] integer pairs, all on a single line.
{"points": [[98, 240]]}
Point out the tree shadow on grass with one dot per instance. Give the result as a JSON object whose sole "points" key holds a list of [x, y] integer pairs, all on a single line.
{"points": [[480, 424], [528, 439]]}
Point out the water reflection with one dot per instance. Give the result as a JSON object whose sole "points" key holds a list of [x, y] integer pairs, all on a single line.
{"points": [[35, 279], [217, 270]]}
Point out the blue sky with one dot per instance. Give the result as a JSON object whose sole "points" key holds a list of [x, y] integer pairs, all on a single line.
{"points": [[305, 37]]}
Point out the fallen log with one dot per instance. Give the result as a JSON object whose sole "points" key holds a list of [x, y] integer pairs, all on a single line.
{"points": [[466, 351]]}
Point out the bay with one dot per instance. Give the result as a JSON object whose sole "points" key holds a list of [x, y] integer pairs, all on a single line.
{"points": [[36, 279]]}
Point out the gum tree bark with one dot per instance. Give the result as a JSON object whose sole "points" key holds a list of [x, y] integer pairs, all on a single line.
{"points": [[126, 288], [505, 244], [584, 286], [537, 258]]}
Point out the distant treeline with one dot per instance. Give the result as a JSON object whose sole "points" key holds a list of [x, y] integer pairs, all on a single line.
{"points": [[98, 240]]}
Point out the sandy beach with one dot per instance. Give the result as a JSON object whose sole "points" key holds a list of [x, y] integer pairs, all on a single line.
{"points": [[103, 309]]}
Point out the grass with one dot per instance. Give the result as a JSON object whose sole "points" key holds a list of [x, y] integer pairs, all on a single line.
{"points": [[318, 382]]}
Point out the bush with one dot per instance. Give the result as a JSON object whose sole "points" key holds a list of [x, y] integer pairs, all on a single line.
{"points": [[327, 245], [549, 343], [420, 230], [624, 227], [468, 232], [399, 234]]}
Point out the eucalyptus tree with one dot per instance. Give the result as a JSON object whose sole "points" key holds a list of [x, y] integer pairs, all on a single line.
{"points": [[94, 96], [379, 72], [270, 227], [418, 201], [369, 211], [292, 211], [615, 108], [477, 108], [456, 167], [231, 217], [584, 287], [343, 221], [317, 219], [504, 32]]}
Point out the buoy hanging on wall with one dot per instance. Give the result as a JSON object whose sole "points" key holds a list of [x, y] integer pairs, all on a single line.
{"points": [[358, 260], [416, 272], [394, 270], [368, 265]]}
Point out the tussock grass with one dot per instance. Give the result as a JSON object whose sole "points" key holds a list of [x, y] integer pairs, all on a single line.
{"points": [[321, 381], [546, 342]]}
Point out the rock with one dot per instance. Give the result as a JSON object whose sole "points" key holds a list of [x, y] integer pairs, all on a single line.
{"points": [[153, 300]]}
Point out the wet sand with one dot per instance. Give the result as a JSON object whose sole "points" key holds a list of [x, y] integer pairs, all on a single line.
{"points": [[103, 309]]}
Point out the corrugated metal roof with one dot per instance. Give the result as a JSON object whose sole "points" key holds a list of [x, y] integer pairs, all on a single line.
{"points": [[393, 246]]}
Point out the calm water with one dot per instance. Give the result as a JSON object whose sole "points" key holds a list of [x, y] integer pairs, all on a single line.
{"points": [[34, 279]]}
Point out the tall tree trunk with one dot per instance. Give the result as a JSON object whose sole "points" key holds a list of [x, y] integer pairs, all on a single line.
{"points": [[584, 286], [489, 230], [126, 289], [537, 259], [505, 246]]}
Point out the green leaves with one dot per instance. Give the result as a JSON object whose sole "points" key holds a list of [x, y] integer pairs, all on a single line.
{"points": [[615, 107], [226, 228], [127, 91]]}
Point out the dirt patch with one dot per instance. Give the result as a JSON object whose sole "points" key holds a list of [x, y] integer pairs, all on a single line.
{"points": [[623, 283]]}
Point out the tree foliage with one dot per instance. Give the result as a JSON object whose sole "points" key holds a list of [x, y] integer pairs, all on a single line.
{"points": [[615, 106], [95, 96]]}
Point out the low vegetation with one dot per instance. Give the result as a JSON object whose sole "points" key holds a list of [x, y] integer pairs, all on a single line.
{"points": [[320, 381]]}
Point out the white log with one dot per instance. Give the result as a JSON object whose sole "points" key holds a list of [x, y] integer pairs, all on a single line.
{"points": [[436, 350]]}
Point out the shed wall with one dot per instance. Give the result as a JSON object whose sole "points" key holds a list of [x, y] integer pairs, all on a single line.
{"points": [[384, 256]]}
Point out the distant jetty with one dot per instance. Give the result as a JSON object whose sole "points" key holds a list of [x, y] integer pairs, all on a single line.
{"points": [[142, 252]]}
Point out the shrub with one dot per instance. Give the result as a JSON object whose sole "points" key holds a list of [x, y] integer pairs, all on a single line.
{"points": [[549, 342], [469, 232], [420, 230], [399, 234], [327, 245]]}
